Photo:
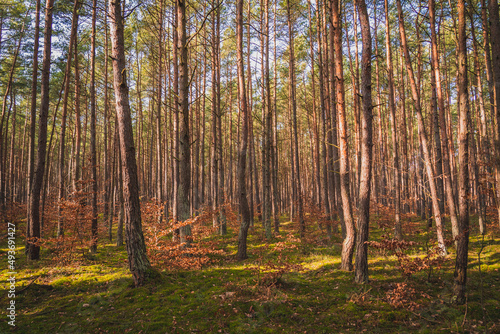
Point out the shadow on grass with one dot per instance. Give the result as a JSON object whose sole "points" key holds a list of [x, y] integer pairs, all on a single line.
{"points": [[96, 295]]}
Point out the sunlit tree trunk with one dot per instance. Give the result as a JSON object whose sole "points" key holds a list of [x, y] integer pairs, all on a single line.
{"points": [[316, 154], [274, 144], [463, 159], [481, 153], [381, 177], [361, 270], [350, 231], [184, 137], [334, 167], [450, 198], [175, 151], [119, 191], [159, 95], [266, 120], [329, 103], [324, 154], [214, 170], [297, 179], [136, 248]]}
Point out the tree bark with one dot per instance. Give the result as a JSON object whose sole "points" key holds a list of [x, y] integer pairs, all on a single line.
{"points": [[481, 152], [214, 170], [297, 180], [495, 65], [361, 270], [93, 149], [175, 151], [450, 198], [31, 153], [33, 248], [460, 274], [324, 155], [266, 121], [350, 231], [316, 155], [136, 248], [62, 141], [242, 150], [159, 95], [119, 189], [107, 189], [274, 138], [184, 137], [392, 110], [78, 126]]}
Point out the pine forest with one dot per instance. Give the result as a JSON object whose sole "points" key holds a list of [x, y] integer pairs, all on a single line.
{"points": [[250, 166]]}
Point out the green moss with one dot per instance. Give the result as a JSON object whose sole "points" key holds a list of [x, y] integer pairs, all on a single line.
{"points": [[97, 294]]}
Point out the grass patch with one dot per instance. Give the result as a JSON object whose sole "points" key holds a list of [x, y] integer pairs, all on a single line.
{"points": [[96, 294]]}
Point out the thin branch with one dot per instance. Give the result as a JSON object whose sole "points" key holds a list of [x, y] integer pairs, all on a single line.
{"points": [[203, 23]]}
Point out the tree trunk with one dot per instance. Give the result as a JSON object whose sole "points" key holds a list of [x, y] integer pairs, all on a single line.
{"points": [[119, 189], [450, 198], [329, 105], [350, 231], [481, 152], [3, 142], [242, 150], [184, 137], [136, 248], [78, 126], [489, 79], [333, 134], [297, 180], [392, 109], [159, 165], [107, 176], [463, 158], [361, 270], [404, 137], [324, 155], [31, 154], [33, 248], [175, 151], [266, 120], [62, 145], [356, 104], [10, 185], [316, 154], [214, 170], [495, 65], [274, 138], [93, 150], [202, 193]]}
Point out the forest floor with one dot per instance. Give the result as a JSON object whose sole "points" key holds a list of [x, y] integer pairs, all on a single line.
{"points": [[286, 285]]}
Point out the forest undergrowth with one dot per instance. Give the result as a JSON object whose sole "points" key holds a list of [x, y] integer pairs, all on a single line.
{"points": [[286, 285]]}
